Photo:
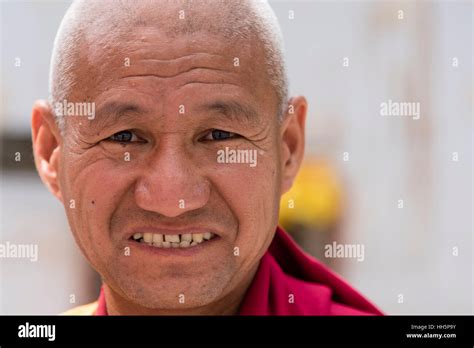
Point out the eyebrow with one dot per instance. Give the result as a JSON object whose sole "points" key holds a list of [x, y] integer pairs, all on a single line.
{"points": [[233, 110], [112, 111]]}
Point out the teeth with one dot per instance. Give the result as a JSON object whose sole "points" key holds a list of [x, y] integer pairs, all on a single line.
{"points": [[172, 240], [148, 237], [197, 237], [157, 238], [188, 237], [137, 236], [184, 243]]}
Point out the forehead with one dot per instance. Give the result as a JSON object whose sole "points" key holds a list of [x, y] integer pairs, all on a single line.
{"points": [[166, 62], [159, 72]]}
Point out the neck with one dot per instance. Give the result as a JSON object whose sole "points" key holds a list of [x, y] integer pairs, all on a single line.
{"points": [[228, 305]]}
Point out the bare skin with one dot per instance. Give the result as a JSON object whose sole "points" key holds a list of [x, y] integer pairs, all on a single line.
{"points": [[172, 159]]}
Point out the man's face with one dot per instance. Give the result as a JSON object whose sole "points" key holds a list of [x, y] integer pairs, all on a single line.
{"points": [[148, 163]]}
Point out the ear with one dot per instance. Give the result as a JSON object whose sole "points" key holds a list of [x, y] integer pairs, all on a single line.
{"points": [[46, 145], [293, 138]]}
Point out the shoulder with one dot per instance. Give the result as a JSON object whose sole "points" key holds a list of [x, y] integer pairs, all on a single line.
{"points": [[326, 291], [88, 309]]}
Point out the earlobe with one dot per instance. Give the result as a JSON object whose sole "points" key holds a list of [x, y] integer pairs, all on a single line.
{"points": [[293, 139], [46, 146]]}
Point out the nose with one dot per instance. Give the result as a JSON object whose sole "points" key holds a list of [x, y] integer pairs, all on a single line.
{"points": [[172, 183]]}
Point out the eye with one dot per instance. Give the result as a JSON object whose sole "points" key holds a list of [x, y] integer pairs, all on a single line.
{"points": [[217, 134], [125, 136]]}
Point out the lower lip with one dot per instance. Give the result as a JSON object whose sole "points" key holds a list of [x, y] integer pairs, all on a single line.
{"points": [[189, 251]]}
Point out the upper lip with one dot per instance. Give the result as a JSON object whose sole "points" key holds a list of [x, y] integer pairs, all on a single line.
{"points": [[171, 231]]}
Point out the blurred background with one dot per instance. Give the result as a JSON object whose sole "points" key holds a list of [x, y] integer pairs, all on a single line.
{"points": [[400, 187]]}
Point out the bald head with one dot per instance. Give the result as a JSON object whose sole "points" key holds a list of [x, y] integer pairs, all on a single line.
{"points": [[87, 23]]}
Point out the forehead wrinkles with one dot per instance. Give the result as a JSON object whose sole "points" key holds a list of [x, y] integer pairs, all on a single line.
{"points": [[154, 45], [109, 23], [151, 54], [150, 50]]}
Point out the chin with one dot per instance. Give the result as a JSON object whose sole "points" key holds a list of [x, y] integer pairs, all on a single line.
{"points": [[173, 294]]}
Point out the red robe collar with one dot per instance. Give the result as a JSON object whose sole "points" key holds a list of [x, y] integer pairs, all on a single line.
{"points": [[291, 282]]}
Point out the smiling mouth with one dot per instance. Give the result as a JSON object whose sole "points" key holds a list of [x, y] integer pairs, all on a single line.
{"points": [[186, 240]]}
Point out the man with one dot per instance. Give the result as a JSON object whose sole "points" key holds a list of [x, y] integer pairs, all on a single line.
{"points": [[169, 139]]}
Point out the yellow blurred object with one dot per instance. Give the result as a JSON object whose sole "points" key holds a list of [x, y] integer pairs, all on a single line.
{"points": [[315, 198]]}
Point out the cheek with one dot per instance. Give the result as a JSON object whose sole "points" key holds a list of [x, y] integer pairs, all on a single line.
{"points": [[252, 193], [96, 190]]}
